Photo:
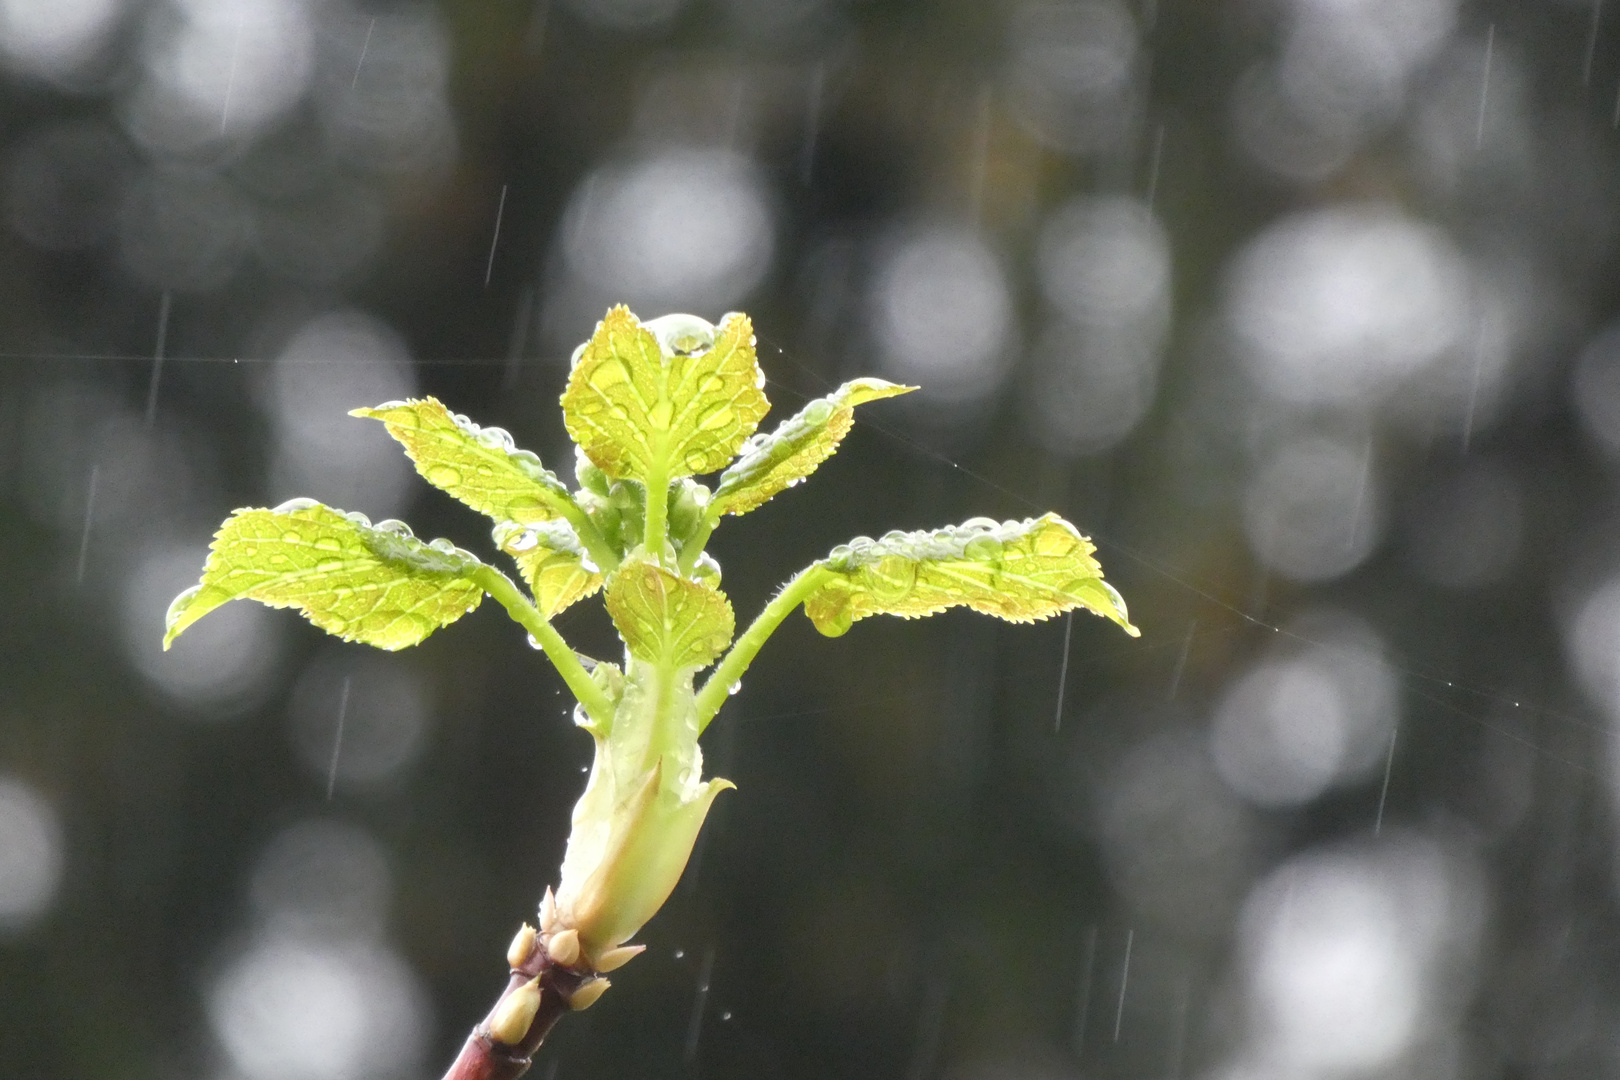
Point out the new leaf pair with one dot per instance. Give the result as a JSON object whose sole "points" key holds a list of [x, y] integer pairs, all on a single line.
{"points": [[650, 407]]}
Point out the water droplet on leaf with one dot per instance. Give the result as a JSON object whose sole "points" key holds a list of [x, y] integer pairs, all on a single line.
{"points": [[982, 548]]}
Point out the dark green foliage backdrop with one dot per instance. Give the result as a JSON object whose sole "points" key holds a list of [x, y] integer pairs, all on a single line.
{"points": [[1303, 309]]}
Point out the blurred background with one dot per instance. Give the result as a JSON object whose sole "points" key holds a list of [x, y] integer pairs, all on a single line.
{"points": [[1305, 309]]}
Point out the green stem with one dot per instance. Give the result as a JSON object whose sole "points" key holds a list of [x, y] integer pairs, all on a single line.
{"points": [[601, 552], [694, 546], [657, 509], [526, 615], [718, 686]]}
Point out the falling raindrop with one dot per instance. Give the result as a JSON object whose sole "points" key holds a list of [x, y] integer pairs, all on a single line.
{"points": [[157, 358], [812, 124], [694, 1030], [337, 739], [364, 45], [230, 81], [518, 343], [89, 513], [1082, 1011], [1153, 166], [1485, 86], [1591, 43], [1383, 792], [500, 211], [1181, 661], [1063, 674], [1124, 982], [1479, 368]]}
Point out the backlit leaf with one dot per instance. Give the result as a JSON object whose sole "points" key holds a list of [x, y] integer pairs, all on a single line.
{"points": [[769, 464], [667, 619], [377, 584], [639, 408], [552, 561], [1016, 570], [478, 465]]}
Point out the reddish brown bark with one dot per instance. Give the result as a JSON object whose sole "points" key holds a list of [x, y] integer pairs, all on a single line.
{"points": [[482, 1057]]}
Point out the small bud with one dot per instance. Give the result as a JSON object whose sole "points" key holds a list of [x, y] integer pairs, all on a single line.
{"points": [[564, 947], [522, 946], [614, 959], [548, 911], [515, 1013], [587, 994]]}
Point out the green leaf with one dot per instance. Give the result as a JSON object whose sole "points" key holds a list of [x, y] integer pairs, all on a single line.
{"points": [[769, 464], [552, 561], [478, 465], [643, 410], [377, 584], [666, 619], [1017, 570]]}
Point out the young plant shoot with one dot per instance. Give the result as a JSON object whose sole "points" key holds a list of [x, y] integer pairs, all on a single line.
{"points": [[650, 406]]}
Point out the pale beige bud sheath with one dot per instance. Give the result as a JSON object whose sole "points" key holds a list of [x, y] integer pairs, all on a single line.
{"points": [[614, 959], [587, 994], [522, 946], [515, 1013], [563, 947]]}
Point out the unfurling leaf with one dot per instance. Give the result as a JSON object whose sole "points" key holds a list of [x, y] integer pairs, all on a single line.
{"points": [[552, 561], [478, 465], [377, 584], [618, 873], [1017, 570], [772, 463], [666, 619], [642, 408]]}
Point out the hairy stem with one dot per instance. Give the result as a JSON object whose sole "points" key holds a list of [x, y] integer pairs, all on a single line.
{"points": [[748, 644], [601, 552], [657, 509], [694, 546], [525, 614]]}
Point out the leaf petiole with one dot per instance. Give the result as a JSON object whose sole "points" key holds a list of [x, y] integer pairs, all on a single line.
{"points": [[730, 669], [697, 541], [562, 656], [657, 509], [601, 552]]}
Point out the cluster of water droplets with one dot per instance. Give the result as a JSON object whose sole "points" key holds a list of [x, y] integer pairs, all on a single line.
{"points": [[390, 540], [682, 335], [979, 539], [765, 450]]}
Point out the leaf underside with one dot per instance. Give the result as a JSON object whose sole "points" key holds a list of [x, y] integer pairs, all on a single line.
{"points": [[638, 413], [375, 584], [478, 465], [667, 619], [552, 561], [769, 464], [1020, 571]]}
